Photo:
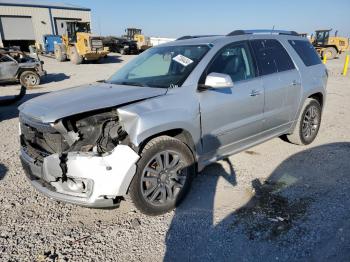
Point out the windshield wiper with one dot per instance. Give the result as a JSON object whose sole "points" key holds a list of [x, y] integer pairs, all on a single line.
{"points": [[130, 83]]}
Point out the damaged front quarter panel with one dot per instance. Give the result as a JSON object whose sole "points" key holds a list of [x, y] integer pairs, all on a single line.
{"points": [[161, 114]]}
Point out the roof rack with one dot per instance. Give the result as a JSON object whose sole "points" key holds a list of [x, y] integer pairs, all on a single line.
{"points": [[193, 36], [262, 31]]}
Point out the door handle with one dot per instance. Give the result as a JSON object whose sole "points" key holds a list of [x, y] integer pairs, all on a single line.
{"points": [[255, 93], [295, 82]]}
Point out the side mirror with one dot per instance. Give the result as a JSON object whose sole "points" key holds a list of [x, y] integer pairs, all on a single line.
{"points": [[217, 80]]}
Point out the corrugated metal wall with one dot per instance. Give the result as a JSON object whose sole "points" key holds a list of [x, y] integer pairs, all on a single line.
{"points": [[42, 23]]}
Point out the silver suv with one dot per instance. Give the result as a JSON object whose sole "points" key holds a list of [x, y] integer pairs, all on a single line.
{"points": [[149, 128]]}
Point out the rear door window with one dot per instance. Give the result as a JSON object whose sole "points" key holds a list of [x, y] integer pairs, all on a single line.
{"points": [[271, 56], [306, 52]]}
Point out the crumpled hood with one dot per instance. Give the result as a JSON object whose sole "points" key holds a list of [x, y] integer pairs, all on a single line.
{"points": [[53, 106]]}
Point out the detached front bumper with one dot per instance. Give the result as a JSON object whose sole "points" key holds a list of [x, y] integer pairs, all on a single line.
{"points": [[92, 181]]}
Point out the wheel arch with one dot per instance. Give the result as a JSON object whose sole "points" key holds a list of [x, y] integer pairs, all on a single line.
{"points": [[319, 97], [181, 134], [20, 71]]}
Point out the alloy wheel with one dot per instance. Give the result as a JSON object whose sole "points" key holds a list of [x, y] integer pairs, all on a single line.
{"points": [[163, 178], [311, 122]]}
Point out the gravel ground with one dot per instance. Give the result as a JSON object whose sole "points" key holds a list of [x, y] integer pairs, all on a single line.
{"points": [[275, 201]]}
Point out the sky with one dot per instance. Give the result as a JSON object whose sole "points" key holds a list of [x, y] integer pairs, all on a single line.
{"points": [[164, 18]]}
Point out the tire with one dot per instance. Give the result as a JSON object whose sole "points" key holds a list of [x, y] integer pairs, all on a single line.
{"points": [[330, 52], [308, 123], [75, 58], [155, 190], [29, 79], [59, 55]]}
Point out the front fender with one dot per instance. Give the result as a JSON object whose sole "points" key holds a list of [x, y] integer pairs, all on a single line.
{"points": [[150, 117]]}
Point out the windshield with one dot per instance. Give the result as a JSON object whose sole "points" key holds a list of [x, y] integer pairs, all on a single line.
{"points": [[164, 67]]}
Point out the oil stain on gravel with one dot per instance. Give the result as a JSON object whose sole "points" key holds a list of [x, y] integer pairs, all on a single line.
{"points": [[269, 214]]}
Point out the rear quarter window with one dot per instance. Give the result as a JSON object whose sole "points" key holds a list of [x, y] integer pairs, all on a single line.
{"points": [[306, 52], [271, 56]]}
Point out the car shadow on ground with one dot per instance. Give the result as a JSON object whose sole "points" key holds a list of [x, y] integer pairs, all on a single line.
{"points": [[49, 78], [8, 112], [301, 212], [3, 171]]}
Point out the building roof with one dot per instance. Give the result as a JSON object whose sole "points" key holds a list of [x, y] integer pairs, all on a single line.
{"points": [[45, 4]]}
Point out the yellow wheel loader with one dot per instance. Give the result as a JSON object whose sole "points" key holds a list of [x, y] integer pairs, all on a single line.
{"points": [[329, 46], [143, 42], [78, 44]]}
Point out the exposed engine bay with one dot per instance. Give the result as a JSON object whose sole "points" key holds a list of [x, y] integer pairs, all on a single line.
{"points": [[97, 132]]}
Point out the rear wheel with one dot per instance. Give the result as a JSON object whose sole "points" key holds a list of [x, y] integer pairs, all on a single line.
{"points": [[308, 123], [29, 79], [164, 174], [330, 53], [75, 58]]}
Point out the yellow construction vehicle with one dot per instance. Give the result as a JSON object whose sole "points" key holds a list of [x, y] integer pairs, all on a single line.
{"points": [[78, 44], [329, 46], [143, 42]]}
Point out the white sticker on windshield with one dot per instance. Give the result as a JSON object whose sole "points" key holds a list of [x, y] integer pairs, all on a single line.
{"points": [[183, 60]]}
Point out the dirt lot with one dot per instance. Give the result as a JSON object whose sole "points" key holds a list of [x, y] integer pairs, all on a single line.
{"points": [[276, 201]]}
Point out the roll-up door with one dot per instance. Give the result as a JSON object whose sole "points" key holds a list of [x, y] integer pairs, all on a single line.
{"points": [[16, 28]]}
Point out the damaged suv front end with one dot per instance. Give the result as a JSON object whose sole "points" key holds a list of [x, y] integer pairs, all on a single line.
{"points": [[83, 159], [74, 147]]}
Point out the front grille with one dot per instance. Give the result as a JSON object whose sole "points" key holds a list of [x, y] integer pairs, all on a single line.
{"points": [[96, 44], [34, 152], [39, 139]]}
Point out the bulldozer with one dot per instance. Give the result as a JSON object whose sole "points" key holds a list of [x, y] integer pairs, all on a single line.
{"points": [[329, 46], [78, 44], [143, 42]]}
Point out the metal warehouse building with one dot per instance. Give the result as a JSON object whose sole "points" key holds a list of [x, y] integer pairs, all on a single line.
{"points": [[25, 22]]}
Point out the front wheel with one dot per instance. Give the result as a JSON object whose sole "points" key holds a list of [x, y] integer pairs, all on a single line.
{"points": [[75, 58], [163, 177], [308, 123], [29, 79], [59, 54], [330, 53]]}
